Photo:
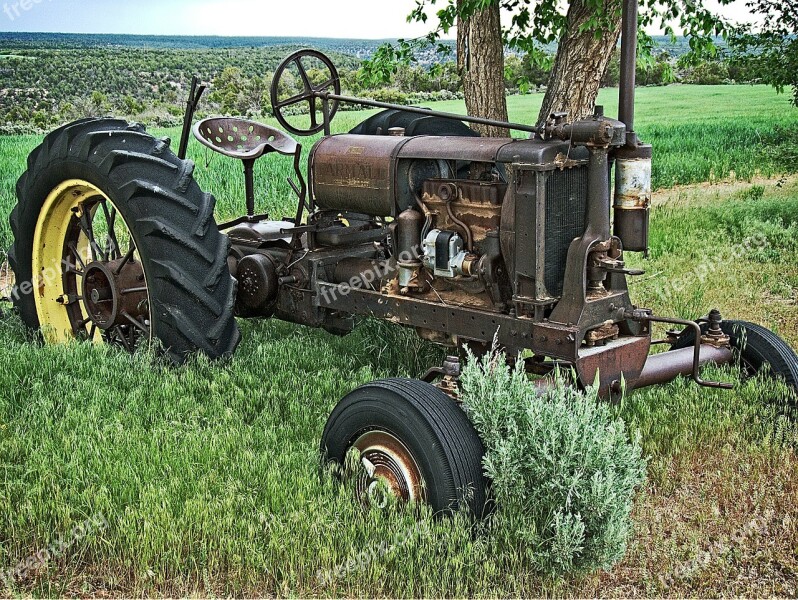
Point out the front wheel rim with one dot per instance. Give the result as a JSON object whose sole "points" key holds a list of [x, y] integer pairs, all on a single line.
{"points": [[386, 460], [88, 278]]}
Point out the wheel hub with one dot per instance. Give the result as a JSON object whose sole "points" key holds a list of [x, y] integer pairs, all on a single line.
{"points": [[114, 293], [387, 460]]}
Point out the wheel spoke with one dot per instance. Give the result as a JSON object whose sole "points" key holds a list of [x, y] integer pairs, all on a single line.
{"points": [[132, 337], [137, 324], [112, 251], [313, 120], [325, 86], [137, 290], [128, 257], [88, 231], [121, 336], [304, 75], [72, 269], [292, 100], [76, 254], [69, 300]]}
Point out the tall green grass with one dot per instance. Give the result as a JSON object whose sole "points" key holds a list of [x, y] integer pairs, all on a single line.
{"points": [[208, 475], [13, 162], [699, 133]]}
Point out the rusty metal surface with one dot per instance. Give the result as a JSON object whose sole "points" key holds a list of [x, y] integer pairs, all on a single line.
{"points": [[556, 340], [114, 292], [599, 335], [356, 173], [464, 322], [449, 374], [242, 139], [466, 191], [386, 459], [537, 154], [257, 285], [371, 274], [598, 132], [633, 196], [646, 316], [620, 360], [667, 366], [477, 205], [260, 234], [453, 148]]}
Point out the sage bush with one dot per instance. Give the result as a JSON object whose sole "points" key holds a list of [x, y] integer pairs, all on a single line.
{"points": [[564, 470]]}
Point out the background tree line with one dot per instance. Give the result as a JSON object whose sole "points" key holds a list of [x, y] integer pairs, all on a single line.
{"points": [[41, 88]]}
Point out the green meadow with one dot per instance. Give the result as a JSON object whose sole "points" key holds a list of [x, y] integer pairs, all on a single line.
{"points": [[203, 480]]}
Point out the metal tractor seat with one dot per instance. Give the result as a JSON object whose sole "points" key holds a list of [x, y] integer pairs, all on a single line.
{"points": [[247, 141]]}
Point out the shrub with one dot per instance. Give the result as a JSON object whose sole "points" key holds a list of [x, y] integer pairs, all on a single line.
{"points": [[564, 471], [657, 71], [390, 95], [708, 73]]}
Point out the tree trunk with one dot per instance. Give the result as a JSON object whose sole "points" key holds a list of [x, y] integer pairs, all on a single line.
{"points": [[582, 60], [480, 61]]}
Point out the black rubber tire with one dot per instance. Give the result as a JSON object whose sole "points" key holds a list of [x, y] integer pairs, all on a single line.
{"points": [[413, 124], [758, 347], [192, 293], [436, 431]]}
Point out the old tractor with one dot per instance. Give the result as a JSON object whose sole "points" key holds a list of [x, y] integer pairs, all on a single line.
{"points": [[411, 218]]}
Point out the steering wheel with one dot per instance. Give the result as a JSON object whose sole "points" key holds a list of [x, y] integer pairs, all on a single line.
{"points": [[310, 93]]}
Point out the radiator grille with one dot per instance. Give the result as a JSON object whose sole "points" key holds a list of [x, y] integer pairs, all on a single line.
{"points": [[566, 208]]}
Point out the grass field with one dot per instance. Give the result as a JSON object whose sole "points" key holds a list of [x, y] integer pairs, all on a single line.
{"points": [[206, 478]]}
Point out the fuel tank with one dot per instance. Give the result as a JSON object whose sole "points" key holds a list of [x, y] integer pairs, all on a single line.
{"points": [[369, 175], [356, 173]]}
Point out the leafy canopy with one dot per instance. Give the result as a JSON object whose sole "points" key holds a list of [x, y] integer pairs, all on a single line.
{"points": [[773, 50], [532, 25]]}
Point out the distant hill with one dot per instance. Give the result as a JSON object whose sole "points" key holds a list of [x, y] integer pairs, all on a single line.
{"points": [[360, 48], [47, 79], [10, 41]]}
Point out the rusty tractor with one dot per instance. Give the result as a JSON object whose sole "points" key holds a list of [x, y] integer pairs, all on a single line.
{"points": [[411, 218]]}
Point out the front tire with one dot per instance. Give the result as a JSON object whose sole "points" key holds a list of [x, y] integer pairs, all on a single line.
{"points": [[158, 266], [415, 439]]}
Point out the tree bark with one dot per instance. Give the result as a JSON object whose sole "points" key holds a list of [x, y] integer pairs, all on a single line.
{"points": [[480, 61], [582, 60]]}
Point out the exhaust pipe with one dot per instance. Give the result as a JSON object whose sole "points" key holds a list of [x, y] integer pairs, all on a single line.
{"points": [[633, 161], [626, 104]]}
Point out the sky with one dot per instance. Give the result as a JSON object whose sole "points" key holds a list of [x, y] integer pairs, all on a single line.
{"points": [[369, 19]]}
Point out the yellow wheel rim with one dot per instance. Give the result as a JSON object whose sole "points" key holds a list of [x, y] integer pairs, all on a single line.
{"points": [[61, 257]]}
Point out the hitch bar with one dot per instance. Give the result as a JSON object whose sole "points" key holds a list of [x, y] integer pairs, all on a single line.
{"points": [[667, 366]]}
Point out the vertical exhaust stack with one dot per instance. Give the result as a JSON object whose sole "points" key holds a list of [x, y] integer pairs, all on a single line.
{"points": [[632, 161]]}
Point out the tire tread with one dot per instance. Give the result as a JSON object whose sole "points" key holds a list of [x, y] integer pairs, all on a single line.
{"points": [[187, 252], [460, 447]]}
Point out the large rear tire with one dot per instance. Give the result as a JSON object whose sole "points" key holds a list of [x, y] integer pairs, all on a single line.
{"points": [[413, 438], [104, 205], [413, 124]]}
